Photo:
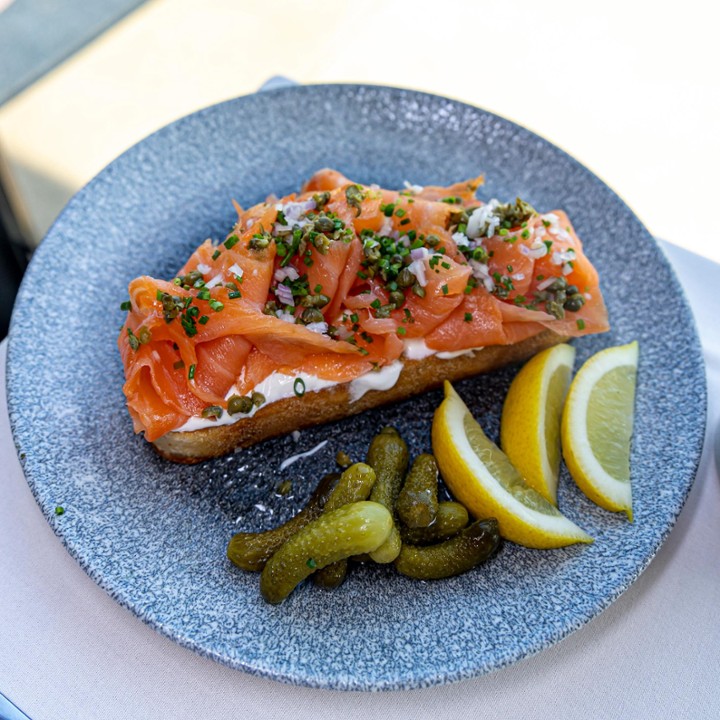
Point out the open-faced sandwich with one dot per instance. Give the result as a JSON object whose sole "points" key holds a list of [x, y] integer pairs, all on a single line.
{"points": [[343, 297]]}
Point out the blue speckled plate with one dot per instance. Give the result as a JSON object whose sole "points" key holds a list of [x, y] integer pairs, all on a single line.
{"points": [[153, 534]]}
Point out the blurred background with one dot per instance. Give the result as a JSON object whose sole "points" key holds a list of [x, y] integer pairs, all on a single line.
{"points": [[627, 87]]}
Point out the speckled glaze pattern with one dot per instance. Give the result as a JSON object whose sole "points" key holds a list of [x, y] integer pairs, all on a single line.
{"points": [[153, 534]]}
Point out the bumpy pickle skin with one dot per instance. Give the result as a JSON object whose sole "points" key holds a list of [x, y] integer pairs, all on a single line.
{"points": [[250, 551], [355, 484], [469, 548], [417, 503], [388, 456], [350, 530], [451, 518]]}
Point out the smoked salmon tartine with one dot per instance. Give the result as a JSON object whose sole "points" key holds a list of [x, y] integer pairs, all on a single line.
{"points": [[344, 284]]}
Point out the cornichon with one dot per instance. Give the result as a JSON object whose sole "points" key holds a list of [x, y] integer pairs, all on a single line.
{"points": [[469, 548], [354, 485], [350, 530], [417, 503], [251, 551], [388, 456], [451, 518]]}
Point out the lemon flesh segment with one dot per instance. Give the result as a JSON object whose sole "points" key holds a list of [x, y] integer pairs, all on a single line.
{"points": [[597, 427], [530, 425], [482, 478]]}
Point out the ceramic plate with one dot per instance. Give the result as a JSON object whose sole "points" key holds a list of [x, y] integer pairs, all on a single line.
{"points": [[153, 534]]}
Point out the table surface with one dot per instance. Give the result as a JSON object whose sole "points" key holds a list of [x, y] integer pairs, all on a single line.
{"points": [[69, 651], [630, 90]]}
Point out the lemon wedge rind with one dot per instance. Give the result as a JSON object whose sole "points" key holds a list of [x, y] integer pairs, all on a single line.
{"points": [[471, 482]]}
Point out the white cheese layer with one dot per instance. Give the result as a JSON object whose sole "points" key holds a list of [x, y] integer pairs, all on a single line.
{"points": [[278, 386]]}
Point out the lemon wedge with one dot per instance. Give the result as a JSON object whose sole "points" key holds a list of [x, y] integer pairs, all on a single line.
{"points": [[530, 425], [481, 477], [597, 426]]}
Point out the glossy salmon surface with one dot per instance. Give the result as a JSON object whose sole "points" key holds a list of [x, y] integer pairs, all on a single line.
{"points": [[333, 281]]}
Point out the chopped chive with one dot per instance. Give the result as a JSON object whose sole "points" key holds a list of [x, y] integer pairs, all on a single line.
{"points": [[216, 305], [406, 221], [354, 317], [444, 289], [204, 294], [203, 319], [299, 387], [127, 305], [468, 317], [581, 324], [446, 265], [216, 255], [400, 213], [311, 563], [231, 241], [191, 372], [375, 304], [59, 510], [401, 331], [234, 294], [547, 244]]}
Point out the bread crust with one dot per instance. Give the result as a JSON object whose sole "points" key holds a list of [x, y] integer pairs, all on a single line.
{"points": [[314, 408]]}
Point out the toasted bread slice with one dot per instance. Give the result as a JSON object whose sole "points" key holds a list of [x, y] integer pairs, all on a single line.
{"points": [[334, 403]]}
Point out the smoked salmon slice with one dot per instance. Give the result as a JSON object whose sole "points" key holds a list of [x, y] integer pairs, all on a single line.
{"points": [[334, 282]]}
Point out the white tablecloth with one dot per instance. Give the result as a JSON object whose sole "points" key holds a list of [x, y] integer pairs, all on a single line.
{"points": [[67, 650]]}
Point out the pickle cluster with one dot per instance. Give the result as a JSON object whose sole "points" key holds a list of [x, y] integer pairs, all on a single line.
{"points": [[375, 511]]}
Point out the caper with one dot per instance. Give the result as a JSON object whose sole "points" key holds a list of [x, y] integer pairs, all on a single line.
{"points": [[469, 548], [144, 335], [451, 518], [257, 398], [312, 315], [405, 278], [259, 242], [318, 300], [322, 243], [572, 304], [397, 298], [384, 311], [322, 198], [555, 309], [343, 459], [572, 290], [192, 277], [251, 551], [324, 224], [239, 404], [417, 502], [558, 284], [432, 240], [372, 253], [350, 530], [419, 290], [270, 308]]}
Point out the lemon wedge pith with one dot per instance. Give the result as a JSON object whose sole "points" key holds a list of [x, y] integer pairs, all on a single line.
{"points": [[597, 427], [530, 425], [481, 477]]}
